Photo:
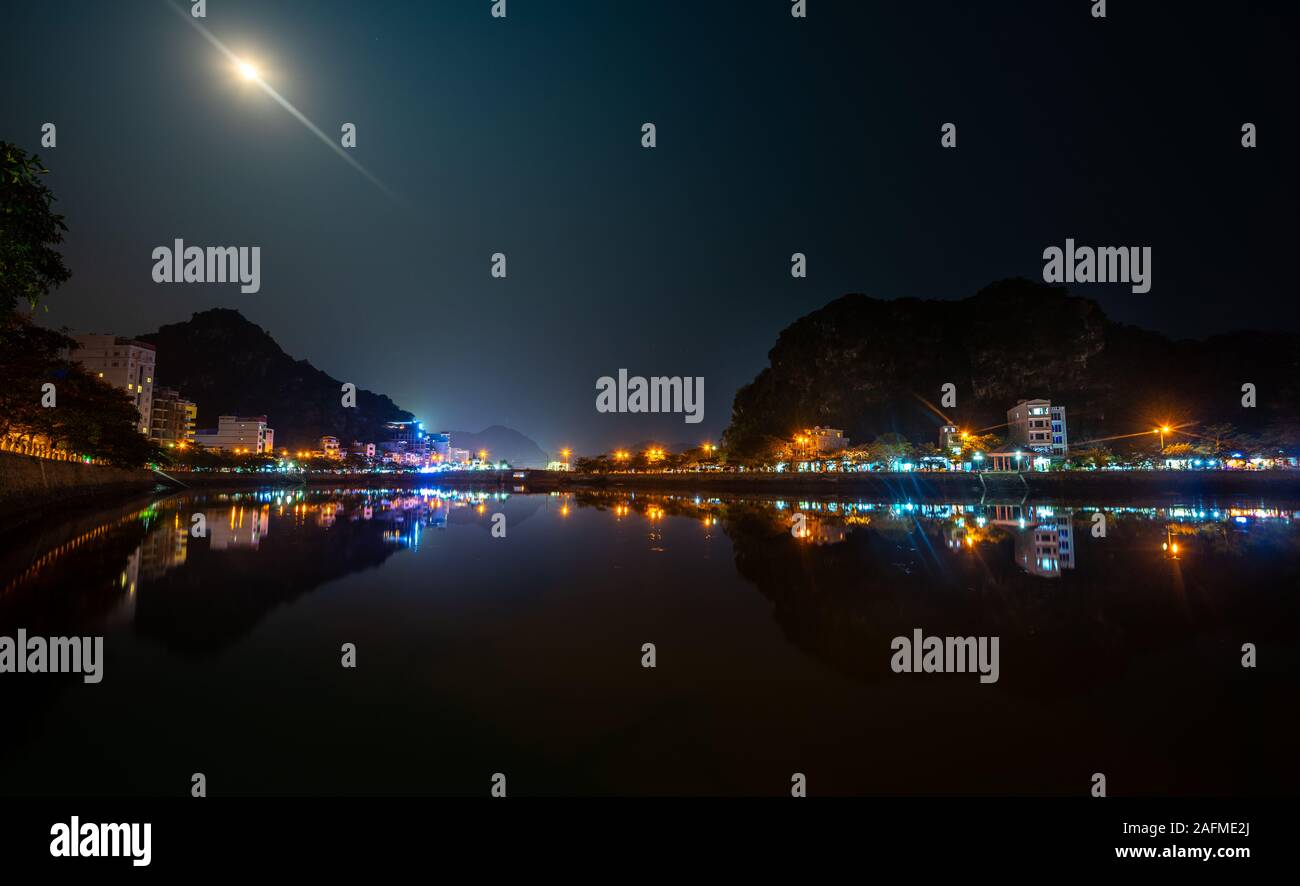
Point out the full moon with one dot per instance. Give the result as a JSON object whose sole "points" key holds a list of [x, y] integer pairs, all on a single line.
{"points": [[247, 71]]}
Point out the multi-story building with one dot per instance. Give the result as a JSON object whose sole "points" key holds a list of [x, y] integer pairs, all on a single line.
{"points": [[329, 447], [124, 363], [950, 439], [406, 444], [440, 447], [1038, 425], [820, 441], [237, 433], [172, 417]]}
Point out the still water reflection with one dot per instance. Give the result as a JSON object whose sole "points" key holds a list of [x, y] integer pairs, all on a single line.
{"points": [[478, 654]]}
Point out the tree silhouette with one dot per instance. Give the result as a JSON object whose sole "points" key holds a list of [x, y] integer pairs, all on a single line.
{"points": [[30, 266]]}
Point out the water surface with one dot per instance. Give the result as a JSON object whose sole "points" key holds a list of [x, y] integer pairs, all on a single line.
{"points": [[523, 654]]}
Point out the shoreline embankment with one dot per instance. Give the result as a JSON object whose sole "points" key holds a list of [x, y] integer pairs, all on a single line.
{"points": [[32, 488]]}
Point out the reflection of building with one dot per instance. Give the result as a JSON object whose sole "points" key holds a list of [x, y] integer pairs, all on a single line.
{"points": [[172, 418], [1046, 545], [1038, 425], [237, 527], [820, 531], [236, 433], [164, 548], [123, 363]]}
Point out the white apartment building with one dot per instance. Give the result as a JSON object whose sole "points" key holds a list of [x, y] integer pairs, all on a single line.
{"points": [[950, 439], [238, 433], [1038, 425], [825, 440], [124, 363]]}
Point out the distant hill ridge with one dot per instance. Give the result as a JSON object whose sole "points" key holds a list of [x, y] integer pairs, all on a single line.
{"points": [[231, 366], [502, 444], [866, 365]]}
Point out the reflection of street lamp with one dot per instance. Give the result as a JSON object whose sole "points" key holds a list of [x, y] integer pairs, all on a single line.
{"points": [[1170, 547]]}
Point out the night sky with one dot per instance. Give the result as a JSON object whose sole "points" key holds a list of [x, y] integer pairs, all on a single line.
{"points": [[522, 135]]}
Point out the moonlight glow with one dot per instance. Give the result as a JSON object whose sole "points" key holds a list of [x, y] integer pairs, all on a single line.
{"points": [[250, 73]]}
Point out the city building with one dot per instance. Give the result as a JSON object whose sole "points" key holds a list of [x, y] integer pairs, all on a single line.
{"points": [[819, 441], [329, 447], [950, 439], [1038, 425], [124, 363], [172, 418], [237, 433], [403, 431], [406, 443], [439, 447]]}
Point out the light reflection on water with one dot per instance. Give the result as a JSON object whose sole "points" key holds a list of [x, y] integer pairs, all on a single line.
{"points": [[1119, 651]]}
